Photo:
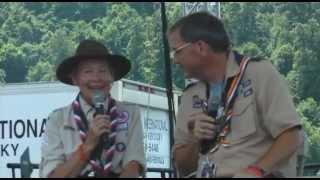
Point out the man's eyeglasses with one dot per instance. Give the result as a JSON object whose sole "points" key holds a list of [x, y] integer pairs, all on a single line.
{"points": [[178, 49]]}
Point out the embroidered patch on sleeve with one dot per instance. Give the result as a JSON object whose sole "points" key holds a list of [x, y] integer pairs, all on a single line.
{"points": [[246, 88], [123, 117]]}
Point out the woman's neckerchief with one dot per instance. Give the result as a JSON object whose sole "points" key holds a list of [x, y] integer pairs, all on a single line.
{"points": [[101, 162]]}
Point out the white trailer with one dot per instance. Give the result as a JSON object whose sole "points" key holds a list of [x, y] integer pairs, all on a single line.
{"points": [[25, 107]]}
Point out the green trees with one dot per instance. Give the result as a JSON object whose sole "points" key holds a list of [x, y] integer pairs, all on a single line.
{"points": [[35, 37], [309, 111]]}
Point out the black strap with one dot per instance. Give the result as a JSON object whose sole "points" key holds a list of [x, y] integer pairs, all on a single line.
{"points": [[221, 123]]}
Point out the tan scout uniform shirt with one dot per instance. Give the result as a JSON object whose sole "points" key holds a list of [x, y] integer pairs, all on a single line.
{"points": [[62, 138], [262, 111]]}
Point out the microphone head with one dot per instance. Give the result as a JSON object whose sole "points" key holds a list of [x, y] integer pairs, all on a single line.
{"points": [[98, 97], [214, 98]]}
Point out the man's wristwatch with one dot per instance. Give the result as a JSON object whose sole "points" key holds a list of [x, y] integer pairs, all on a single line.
{"points": [[256, 170]]}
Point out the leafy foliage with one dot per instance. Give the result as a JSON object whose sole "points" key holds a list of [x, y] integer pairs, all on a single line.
{"points": [[36, 37]]}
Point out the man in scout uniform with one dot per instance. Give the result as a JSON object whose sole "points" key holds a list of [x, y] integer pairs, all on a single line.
{"points": [[79, 142], [238, 120]]}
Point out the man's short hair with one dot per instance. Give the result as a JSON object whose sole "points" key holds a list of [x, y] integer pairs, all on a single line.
{"points": [[203, 26]]}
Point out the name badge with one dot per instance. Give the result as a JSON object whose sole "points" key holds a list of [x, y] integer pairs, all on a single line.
{"points": [[208, 169]]}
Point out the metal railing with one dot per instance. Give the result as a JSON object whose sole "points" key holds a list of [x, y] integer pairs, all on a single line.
{"points": [[14, 166], [163, 172], [311, 169]]}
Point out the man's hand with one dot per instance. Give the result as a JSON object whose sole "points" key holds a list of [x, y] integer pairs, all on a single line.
{"points": [[201, 126], [100, 124]]}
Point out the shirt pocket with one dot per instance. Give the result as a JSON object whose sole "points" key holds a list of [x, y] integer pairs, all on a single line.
{"points": [[121, 144], [70, 139], [243, 124]]}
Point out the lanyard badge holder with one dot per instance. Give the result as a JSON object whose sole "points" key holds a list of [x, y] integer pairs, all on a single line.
{"points": [[208, 168], [220, 109], [222, 116]]}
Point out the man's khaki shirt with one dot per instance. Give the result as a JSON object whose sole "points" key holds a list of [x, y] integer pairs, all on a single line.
{"points": [[262, 111]]}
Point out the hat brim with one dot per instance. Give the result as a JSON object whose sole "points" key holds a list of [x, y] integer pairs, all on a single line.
{"points": [[119, 64]]}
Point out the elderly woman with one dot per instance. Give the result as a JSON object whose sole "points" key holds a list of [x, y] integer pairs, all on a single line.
{"points": [[78, 141]]}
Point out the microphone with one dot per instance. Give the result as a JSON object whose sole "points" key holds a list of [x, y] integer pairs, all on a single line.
{"points": [[213, 108], [214, 99], [99, 99], [100, 103]]}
